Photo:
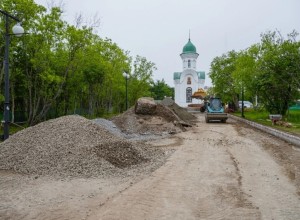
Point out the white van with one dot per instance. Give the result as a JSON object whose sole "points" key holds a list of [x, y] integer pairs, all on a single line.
{"points": [[247, 104]]}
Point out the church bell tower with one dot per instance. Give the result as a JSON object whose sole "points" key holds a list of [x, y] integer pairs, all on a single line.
{"points": [[189, 80]]}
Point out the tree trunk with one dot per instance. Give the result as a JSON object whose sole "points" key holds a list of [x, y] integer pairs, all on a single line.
{"points": [[38, 116], [91, 100]]}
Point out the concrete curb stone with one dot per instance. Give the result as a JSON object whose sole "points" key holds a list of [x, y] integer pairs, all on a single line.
{"points": [[280, 134]]}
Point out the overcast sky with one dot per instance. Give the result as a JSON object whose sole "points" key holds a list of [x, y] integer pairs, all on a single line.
{"points": [[158, 29]]}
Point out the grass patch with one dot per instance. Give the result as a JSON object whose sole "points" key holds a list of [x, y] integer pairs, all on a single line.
{"points": [[262, 117], [293, 116]]}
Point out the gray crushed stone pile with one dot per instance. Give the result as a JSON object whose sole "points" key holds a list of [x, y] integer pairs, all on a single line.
{"points": [[72, 146]]}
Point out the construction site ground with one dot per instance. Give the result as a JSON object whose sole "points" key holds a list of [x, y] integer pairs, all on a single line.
{"points": [[211, 171]]}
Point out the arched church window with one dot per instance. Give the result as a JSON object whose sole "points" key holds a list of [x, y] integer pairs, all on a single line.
{"points": [[189, 63], [189, 95], [189, 81]]}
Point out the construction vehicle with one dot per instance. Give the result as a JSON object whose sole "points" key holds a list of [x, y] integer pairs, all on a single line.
{"points": [[215, 111]]}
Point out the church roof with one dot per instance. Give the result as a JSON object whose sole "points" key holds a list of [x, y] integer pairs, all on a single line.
{"points": [[200, 74], [176, 75], [189, 47]]}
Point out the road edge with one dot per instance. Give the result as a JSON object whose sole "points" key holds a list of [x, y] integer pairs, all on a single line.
{"points": [[280, 134]]}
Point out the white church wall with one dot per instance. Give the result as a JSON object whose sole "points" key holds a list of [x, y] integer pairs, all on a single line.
{"points": [[189, 65]]}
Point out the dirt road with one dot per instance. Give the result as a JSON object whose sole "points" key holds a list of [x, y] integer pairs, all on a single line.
{"points": [[218, 171]]}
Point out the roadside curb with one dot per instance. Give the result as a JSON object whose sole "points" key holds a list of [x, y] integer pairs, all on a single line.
{"points": [[280, 134]]}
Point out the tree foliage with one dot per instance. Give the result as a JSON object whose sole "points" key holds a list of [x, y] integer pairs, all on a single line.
{"points": [[59, 68], [269, 70], [160, 90], [278, 72], [221, 74]]}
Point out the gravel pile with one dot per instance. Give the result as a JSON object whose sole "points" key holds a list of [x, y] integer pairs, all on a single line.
{"points": [[110, 126], [115, 130], [71, 146]]}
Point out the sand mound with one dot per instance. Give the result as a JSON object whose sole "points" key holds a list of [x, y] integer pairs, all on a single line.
{"points": [[69, 146]]}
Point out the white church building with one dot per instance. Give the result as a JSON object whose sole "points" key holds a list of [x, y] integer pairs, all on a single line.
{"points": [[189, 80]]}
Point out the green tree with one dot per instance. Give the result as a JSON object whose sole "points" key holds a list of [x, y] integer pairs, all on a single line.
{"points": [[244, 74], [141, 79], [160, 90], [29, 13], [278, 71], [269, 70], [59, 69], [221, 74], [113, 91]]}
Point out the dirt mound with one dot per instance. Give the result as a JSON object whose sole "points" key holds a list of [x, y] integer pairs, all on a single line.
{"points": [[182, 113], [167, 101], [131, 123], [167, 113], [167, 119], [69, 146]]}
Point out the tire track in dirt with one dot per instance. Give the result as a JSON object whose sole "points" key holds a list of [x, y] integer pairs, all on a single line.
{"points": [[199, 181]]}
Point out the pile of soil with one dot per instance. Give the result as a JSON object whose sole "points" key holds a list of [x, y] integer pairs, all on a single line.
{"points": [[166, 120], [131, 123], [70, 146], [182, 113]]}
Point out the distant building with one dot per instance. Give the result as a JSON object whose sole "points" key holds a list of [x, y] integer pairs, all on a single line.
{"points": [[189, 80]]}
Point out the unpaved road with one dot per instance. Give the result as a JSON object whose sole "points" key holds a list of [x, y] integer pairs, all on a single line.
{"points": [[218, 171]]}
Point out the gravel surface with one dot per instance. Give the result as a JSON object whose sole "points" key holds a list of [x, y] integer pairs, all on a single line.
{"points": [[218, 171], [72, 146], [110, 126], [115, 130]]}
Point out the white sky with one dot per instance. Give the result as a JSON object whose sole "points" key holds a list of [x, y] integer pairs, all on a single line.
{"points": [[158, 29]]}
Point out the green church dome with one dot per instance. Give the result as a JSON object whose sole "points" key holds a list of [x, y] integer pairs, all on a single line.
{"points": [[189, 48]]}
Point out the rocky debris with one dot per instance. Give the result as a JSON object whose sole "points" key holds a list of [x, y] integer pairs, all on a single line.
{"points": [[167, 118], [71, 146], [144, 125], [145, 106]]}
